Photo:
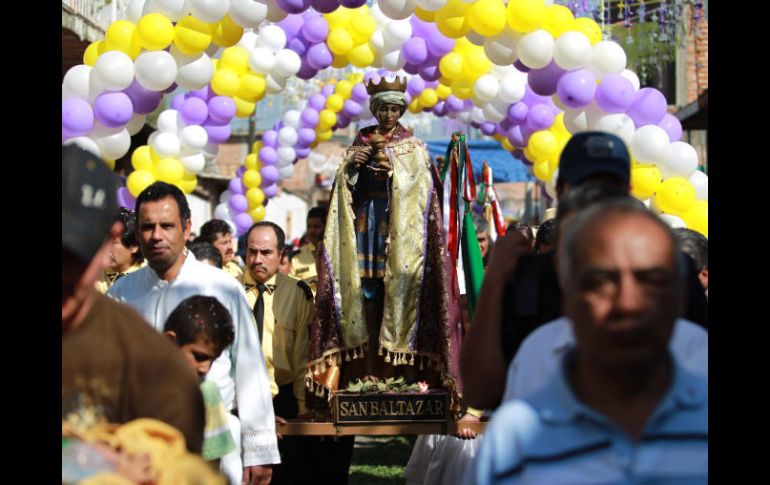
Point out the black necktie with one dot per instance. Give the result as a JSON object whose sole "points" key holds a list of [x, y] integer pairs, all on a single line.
{"points": [[259, 309]]}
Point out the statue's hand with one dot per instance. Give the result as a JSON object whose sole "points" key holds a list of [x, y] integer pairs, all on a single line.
{"points": [[360, 157]]}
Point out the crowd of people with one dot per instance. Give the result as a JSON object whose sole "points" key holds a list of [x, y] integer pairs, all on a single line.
{"points": [[588, 346]]}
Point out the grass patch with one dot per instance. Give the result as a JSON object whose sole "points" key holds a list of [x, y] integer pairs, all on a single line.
{"points": [[380, 460]]}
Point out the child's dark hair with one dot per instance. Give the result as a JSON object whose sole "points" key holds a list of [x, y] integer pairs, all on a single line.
{"points": [[201, 315]]}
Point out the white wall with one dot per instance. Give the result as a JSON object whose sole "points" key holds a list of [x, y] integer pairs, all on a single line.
{"points": [[289, 212], [201, 210]]}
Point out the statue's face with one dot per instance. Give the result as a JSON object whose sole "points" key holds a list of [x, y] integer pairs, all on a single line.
{"points": [[387, 115]]}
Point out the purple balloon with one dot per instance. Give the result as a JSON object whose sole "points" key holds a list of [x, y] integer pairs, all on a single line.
{"points": [[271, 190], [269, 174], [518, 153], [315, 29], [194, 111], [453, 103], [648, 108], [419, 27], [309, 118], [351, 109], [235, 186], [268, 155], [302, 152], [325, 6], [270, 138], [543, 81], [243, 223], [437, 43], [113, 109], [352, 3], [306, 136], [177, 102], [615, 94], [125, 199], [440, 109], [415, 85], [577, 88], [415, 50], [317, 102], [221, 109], [241, 170], [143, 100], [520, 66], [204, 93], [342, 121], [77, 117], [217, 133], [672, 126], [411, 68], [297, 45], [517, 112], [319, 56], [293, 6], [359, 94], [488, 128], [504, 125], [306, 71], [292, 24], [540, 117], [430, 72], [327, 91], [531, 98], [516, 136]]}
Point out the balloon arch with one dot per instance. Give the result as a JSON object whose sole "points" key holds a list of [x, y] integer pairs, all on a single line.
{"points": [[527, 73]]}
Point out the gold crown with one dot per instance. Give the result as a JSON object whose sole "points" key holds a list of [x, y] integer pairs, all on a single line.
{"points": [[399, 84]]}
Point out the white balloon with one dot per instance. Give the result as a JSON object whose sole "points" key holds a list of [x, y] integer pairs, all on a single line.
{"points": [[155, 70], [492, 113], [287, 63], [607, 58], [196, 74], [249, 14], [292, 118], [222, 211], [286, 172], [380, 18], [575, 120], [478, 102], [136, 123], [114, 146], [700, 182], [286, 155], [193, 163], [85, 143], [378, 40], [680, 160], [166, 144], [477, 114], [225, 196], [272, 37], [173, 9], [261, 60], [168, 121], [115, 69], [593, 114], [486, 87], [649, 145], [396, 33], [572, 50], [550, 187], [274, 12], [513, 87], [134, 10], [75, 82], [393, 60], [287, 136], [673, 221], [208, 11], [248, 40], [194, 137], [96, 86], [397, 9], [431, 5], [618, 123], [274, 85], [631, 76], [474, 37], [501, 49], [535, 49]]}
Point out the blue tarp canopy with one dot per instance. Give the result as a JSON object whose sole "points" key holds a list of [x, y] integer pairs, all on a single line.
{"points": [[505, 167]]}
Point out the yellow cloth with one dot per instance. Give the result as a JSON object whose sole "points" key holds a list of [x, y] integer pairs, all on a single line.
{"points": [[233, 268], [109, 277], [286, 338], [303, 266]]}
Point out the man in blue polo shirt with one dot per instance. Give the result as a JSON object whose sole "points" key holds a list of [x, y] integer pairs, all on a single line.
{"points": [[621, 408]]}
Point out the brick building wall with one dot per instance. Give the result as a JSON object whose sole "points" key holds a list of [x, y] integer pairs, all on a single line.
{"points": [[697, 70]]}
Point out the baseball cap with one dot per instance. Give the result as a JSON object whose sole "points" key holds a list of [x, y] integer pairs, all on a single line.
{"points": [[594, 152], [88, 201]]}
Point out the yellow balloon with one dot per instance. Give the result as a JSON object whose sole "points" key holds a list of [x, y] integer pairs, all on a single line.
{"points": [[645, 182], [340, 61], [155, 157], [362, 27], [487, 17], [252, 86], [558, 19], [451, 65], [339, 18], [138, 180], [257, 146], [451, 19], [525, 15], [676, 196], [558, 128], [252, 179], [170, 170], [141, 159], [121, 36], [476, 62], [462, 88], [257, 213], [326, 119], [227, 33], [92, 53], [343, 88], [335, 103], [255, 196], [356, 77], [463, 45], [589, 28], [543, 145], [339, 41], [425, 15], [697, 218], [188, 182], [235, 58], [542, 171], [505, 143], [110, 163], [443, 91], [428, 98], [324, 135], [192, 36], [155, 31], [414, 106], [243, 108], [362, 55], [225, 82], [252, 162]]}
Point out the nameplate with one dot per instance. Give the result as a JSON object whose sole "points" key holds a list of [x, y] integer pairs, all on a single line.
{"points": [[390, 408]]}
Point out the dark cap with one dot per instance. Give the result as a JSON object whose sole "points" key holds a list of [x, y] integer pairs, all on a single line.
{"points": [[594, 152], [88, 201]]}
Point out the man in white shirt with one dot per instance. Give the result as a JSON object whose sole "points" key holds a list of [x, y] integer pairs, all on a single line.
{"points": [[163, 226]]}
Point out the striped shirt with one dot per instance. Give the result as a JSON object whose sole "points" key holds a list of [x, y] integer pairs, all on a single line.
{"points": [[552, 438]]}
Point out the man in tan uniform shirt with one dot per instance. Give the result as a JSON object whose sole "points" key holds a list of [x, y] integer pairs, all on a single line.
{"points": [[124, 254], [218, 233], [303, 263]]}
